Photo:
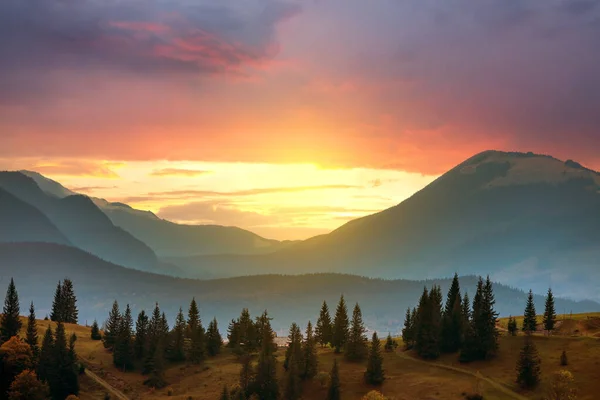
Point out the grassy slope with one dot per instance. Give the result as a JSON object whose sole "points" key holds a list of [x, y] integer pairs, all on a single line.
{"points": [[407, 379]]}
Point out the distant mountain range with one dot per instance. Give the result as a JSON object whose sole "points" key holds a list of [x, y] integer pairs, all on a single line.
{"points": [[525, 219], [528, 220], [37, 266]]}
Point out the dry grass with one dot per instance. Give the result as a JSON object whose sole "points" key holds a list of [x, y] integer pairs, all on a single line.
{"points": [[406, 379]]}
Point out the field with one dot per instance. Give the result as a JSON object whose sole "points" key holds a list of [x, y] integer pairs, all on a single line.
{"points": [[407, 377]]}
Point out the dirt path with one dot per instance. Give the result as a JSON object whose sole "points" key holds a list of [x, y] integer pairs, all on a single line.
{"points": [[114, 392], [491, 382]]}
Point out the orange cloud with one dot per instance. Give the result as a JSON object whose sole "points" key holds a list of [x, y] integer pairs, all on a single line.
{"points": [[179, 171]]}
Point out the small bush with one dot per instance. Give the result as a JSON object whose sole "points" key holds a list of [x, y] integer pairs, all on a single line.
{"points": [[563, 358], [374, 395], [170, 392]]}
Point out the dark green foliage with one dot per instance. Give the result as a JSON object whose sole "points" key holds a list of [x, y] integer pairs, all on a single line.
{"points": [[374, 374], [309, 352], [64, 308], [156, 367], [549, 313], [563, 358], [176, 349], [95, 334], [246, 374], [528, 365], [265, 383], [263, 322], [155, 338], [408, 332], [340, 326], [294, 348], [465, 313], [214, 341], [111, 327], [356, 346], [452, 320], [323, 329], [512, 326], [530, 319], [427, 327], [390, 345], [334, 392], [293, 387], [225, 394], [45, 368], [243, 334], [10, 324], [123, 354], [31, 337], [481, 336], [141, 336], [195, 334], [64, 380]]}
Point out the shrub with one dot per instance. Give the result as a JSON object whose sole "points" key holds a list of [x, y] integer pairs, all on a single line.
{"points": [[561, 387], [563, 358], [26, 386], [374, 395]]}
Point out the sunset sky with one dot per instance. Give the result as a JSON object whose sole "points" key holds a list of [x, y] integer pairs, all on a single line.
{"points": [[289, 118]]}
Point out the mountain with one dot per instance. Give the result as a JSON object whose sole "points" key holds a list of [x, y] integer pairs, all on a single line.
{"points": [[527, 220], [81, 222], [21, 222], [170, 240], [36, 267]]}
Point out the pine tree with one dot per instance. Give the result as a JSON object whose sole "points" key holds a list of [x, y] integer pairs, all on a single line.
{"points": [[10, 324], [69, 301], [196, 334], [334, 392], [154, 338], [64, 381], [452, 320], [246, 375], [31, 337], [427, 333], [512, 326], [390, 345], [374, 374], [141, 336], [309, 352], [530, 319], [466, 314], [233, 334], [214, 341], [487, 331], [263, 322], [293, 387], [58, 313], [95, 331], [265, 383], [528, 365], [408, 330], [72, 352], [340, 326], [177, 345], [45, 368], [356, 346], [225, 393], [123, 354], [111, 327], [294, 349], [549, 313], [323, 329], [156, 367], [563, 358]]}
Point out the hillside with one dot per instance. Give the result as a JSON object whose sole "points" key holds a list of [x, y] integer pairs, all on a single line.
{"points": [[407, 378], [519, 217], [81, 222], [36, 268]]}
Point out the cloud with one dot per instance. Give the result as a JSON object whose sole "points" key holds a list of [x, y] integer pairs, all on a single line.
{"points": [[74, 168], [88, 189], [179, 171], [252, 192]]}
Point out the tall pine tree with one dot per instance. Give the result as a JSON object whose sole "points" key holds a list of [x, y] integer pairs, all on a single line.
{"points": [[69, 300], [549, 313], [214, 341], [293, 388], [309, 351], [123, 354], [340, 326], [141, 336], [64, 381], [530, 318], [374, 374], [323, 329], [154, 339], [10, 324], [265, 382], [111, 327], [177, 342], [528, 365], [58, 312], [356, 346], [452, 320], [95, 331], [487, 331], [196, 334], [408, 330], [294, 348], [45, 368], [426, 327], [31, 337]]}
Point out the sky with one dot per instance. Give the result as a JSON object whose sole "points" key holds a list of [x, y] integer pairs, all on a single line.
{"points": [[289, 118]]}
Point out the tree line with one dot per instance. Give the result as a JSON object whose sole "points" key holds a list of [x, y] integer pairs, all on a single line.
{"points": [[32, 371]]}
